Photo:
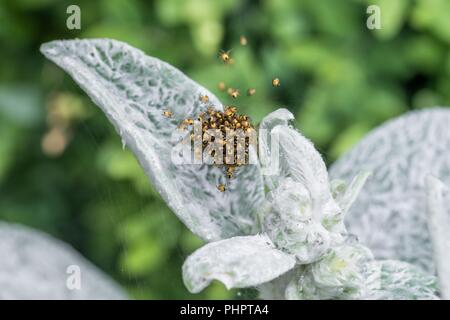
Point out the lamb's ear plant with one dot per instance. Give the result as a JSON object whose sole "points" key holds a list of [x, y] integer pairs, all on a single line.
{"points": [[390, 213], [439, 227], [282, 233]]}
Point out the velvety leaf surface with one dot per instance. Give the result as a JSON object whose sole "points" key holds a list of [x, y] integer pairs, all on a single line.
{"points": [[134, 90], [439, 227], [346, 199], [389, 214], [34, 266], [237, 262], [396, 280]]}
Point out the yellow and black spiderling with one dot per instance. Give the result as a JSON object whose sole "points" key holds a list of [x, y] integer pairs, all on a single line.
{"points": [[221, 86], [168, 114], [204, 98], [251, 91], [276, 82], [243, 41], [225, 56], [234, 93]]}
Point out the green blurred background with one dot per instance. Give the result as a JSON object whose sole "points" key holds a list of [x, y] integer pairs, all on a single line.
{"points": [[62, 166]]}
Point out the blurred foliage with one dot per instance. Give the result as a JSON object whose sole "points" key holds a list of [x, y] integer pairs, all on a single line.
{"points": [[62, 166]]}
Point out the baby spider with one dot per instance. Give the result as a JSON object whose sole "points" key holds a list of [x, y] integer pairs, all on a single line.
{"points": [[225, 56], [243, 40], [167, 114], [276, 82], [204, 98], [234, 93], [222, 86], [251, 91], [221, 187], [230, 171]]}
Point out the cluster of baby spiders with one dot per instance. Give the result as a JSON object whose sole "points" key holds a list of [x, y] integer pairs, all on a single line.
{"points": [[224, 121]]}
